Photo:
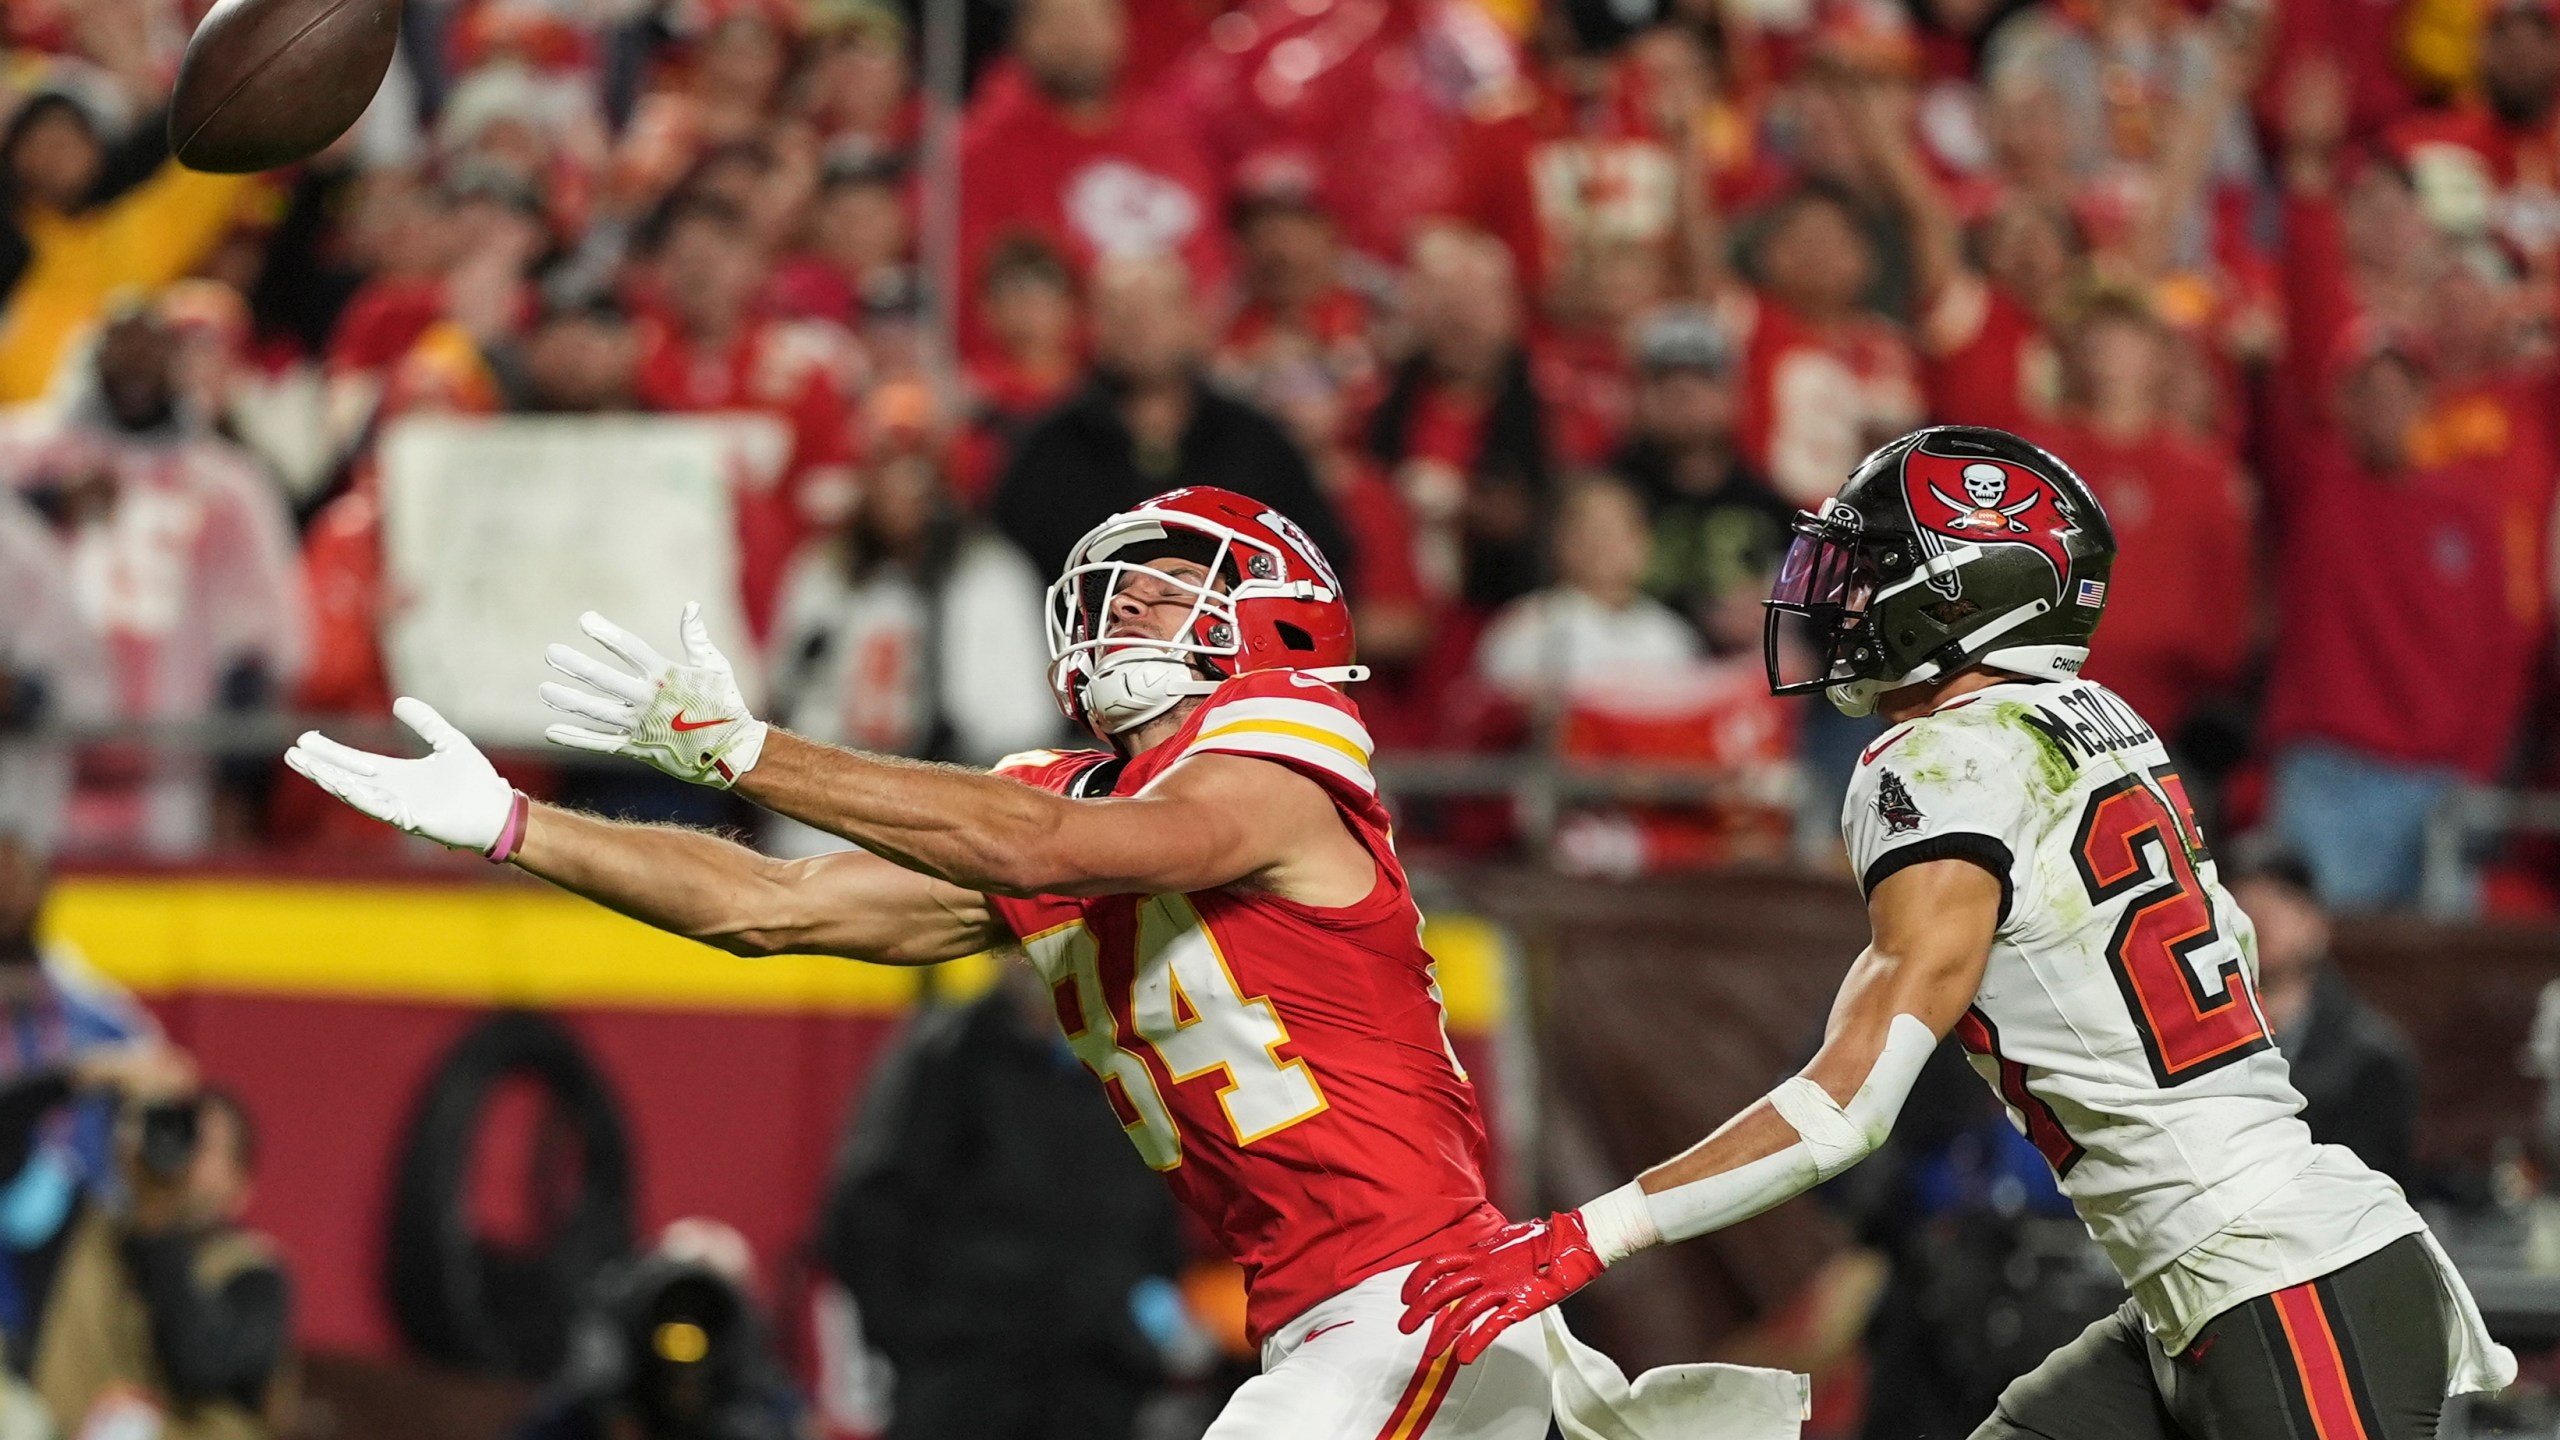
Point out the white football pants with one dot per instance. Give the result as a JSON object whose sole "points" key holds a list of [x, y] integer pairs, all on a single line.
{"points": [[1343, 1371]]}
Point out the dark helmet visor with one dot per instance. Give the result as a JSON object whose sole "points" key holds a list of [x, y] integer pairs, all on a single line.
{"points": [[1816, 606]]}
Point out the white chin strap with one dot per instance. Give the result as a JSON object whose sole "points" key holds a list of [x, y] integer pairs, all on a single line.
{"points": [[1135, 687], [1858, 697]]}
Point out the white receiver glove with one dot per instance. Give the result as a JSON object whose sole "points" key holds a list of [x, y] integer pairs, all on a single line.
{"points": [[688, 719], [451, 795]]}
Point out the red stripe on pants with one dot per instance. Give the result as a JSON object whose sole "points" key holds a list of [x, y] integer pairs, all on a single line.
{"points": [[1422, 1396], [2317, 1359]]}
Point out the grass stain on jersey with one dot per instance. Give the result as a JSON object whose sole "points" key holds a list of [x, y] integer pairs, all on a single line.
{"points": [[2054, 763]]}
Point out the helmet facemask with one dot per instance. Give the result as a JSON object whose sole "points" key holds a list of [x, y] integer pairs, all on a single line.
{"points": [[1816, 636], [1838, 591], [1124, 681]]}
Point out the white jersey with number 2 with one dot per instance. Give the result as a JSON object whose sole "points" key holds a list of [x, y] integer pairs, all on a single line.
{"points": [[2118, 1017]]}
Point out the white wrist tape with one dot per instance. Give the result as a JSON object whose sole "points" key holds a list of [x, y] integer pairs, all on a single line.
{"points": [[1620, 1223], [1832, 1137]]}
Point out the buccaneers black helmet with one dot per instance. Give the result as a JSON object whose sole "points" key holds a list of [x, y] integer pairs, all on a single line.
{"points": [[1954, 546]]}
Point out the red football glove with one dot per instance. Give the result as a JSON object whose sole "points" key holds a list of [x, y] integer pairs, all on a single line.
{"points": [[1499, 1281]]}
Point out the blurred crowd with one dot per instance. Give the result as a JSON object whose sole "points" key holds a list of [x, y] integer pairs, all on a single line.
{"points": [[1540, 318], [133, 1299]]}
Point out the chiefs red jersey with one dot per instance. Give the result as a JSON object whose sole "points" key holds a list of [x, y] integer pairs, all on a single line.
{"points": [[1985, 361], [1285, 1066], [1817, 398]]}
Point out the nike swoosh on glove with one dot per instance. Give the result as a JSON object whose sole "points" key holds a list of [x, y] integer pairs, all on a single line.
{"points": [[451, 795], [1494, 1284], [687, 718]]}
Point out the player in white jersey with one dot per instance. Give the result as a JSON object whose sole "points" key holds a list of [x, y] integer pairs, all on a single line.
{"points": [[2038, 887]]}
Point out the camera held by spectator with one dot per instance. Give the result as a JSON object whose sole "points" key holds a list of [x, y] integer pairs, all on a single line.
{"points": [[671, 1348], [168, 1317]]}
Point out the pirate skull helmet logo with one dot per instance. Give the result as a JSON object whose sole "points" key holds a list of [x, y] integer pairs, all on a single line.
{"points": [[1986, 485], [1957, 500]]}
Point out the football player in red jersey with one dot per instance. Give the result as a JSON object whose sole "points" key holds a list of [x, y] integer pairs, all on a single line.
{"points": [[1214, 902]]}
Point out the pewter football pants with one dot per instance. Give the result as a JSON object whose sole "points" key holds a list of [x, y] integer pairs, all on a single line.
{"points": [[2361, 1351]]}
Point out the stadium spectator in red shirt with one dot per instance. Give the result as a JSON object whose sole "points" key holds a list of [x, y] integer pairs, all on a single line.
{"points": [[1461, 432], [1400, 620], [705, 349], [401, 231], [483, 232], [2401, 665], [1564, 155], [2180, 615], [723, 91], [854, 89], [1984, 329], [1058, 146], [1028, 298], [2409, 511], [1827, 380], [858, 246], [1298, 307], [2504, 146]]}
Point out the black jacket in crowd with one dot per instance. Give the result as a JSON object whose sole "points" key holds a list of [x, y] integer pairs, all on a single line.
{"points": [[988, 1204], [2358, 1076], [1706, 543], [1077, 465]]}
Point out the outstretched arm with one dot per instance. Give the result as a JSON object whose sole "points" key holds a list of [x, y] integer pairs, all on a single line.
{"points": [[1211, 820], [685, 881], [1208, 821], [1933, 925], [705, 888], [1880, 117]]}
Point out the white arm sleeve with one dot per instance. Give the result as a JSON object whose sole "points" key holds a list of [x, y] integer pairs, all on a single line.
{"points": [[1831, 1138]]}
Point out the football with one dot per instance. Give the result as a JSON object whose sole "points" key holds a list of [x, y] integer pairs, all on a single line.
{"points": [[268, 82]]}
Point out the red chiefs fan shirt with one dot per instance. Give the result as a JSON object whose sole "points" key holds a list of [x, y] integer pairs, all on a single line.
{"points": [[800, 372], [1985, 361], [2180, 597], [1285, 1066], [1138, 183], [1817, 399], [2468, 151], [2411, 607], [1549, 178]]}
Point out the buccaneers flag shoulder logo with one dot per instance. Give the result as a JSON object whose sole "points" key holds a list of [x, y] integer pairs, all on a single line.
{"points": [[1977, 500], [1895, 807]]}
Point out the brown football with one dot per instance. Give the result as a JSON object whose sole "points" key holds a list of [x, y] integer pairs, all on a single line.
{"points": [[268, 82]]}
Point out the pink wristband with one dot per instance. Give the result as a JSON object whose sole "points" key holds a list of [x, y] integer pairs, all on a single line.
{"points": [[511, 834]]}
